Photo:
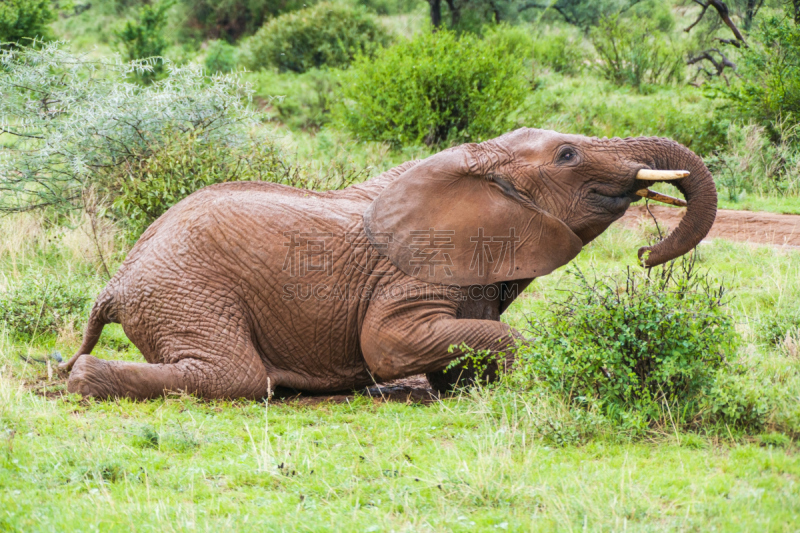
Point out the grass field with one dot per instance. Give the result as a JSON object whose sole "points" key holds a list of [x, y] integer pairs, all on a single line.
{"points": [[490, 460]]}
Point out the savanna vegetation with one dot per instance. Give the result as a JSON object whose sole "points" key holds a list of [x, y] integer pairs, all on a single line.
{"points": [[662, 399]]}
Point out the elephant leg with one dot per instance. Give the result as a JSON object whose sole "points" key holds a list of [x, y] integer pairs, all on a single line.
{"points": [[227, 375], [406, 337]]}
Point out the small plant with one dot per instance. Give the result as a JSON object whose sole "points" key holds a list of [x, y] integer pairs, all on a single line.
{"points": [[633, 52], [638, 349], [152, 181], [559, 52], [36, 305], [322, 35], [434, 89], [25, 19], [221, 57], [768, 86], [145, 39]]}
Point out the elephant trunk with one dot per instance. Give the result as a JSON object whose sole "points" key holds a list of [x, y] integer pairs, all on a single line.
{"points": [[698, 189]]}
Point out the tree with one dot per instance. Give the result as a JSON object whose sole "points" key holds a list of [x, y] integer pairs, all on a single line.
{"points": [[25, 19], [144, 38]]}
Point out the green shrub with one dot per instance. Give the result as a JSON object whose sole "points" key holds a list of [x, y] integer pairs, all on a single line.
{"points": [[773, 328], [21, 19], [102, 124], [595, 107], [151, 182], [751, 162], [301, 101], [634, 52], [230, 20], [41, 305], [432, 89], [560, 52], [768, 87], [221, 57], [323, 35], [145, 39], [636, 349], [390, 7]]}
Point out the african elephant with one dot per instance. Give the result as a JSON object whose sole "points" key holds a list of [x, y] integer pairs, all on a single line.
{"points": [[243, 287]]}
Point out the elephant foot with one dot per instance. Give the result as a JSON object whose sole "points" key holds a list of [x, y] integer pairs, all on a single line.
{"points": [[92, 377]]}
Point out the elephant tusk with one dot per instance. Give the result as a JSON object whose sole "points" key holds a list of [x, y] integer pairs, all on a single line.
{"points": [[658, 197], [661, 175]]}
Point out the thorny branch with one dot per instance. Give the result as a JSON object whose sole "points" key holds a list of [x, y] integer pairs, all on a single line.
{"points": [[724, 15]]}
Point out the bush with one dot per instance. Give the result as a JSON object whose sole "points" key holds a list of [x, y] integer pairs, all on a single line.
{"points": [[635, 53], [221, 57], [323, 35], [432, 89], [230, 20], [560, 52], [769, 74], [151, 182], [595, 107], [103, 123], [144, 38], [752, 163], [21, 19], [301, 101], [637, 349], [39, 305]]}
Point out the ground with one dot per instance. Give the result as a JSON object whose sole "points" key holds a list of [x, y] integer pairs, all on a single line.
{"points": [[397, 458]]}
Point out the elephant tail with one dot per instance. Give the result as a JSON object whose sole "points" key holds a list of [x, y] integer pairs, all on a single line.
{"points": [[103, 312]]}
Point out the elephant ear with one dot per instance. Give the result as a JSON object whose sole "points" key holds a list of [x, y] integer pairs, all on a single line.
{"points": [[450, 220]]}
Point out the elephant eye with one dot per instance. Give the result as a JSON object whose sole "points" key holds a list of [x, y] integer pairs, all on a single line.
{"points": [[567, 154]]}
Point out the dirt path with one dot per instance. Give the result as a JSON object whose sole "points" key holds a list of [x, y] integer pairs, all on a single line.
{"points": [[744, 226]]}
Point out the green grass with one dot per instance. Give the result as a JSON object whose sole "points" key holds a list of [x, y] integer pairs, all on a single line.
{"points": [[485, 460]]}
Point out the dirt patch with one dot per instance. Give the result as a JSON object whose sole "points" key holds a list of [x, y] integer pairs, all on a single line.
{"points": [[743, 226]]}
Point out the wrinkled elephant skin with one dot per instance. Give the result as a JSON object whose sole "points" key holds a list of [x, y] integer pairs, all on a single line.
{"points": [[243, 287]]}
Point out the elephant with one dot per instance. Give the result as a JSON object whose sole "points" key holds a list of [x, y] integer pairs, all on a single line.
{"points": [[244, 287]]}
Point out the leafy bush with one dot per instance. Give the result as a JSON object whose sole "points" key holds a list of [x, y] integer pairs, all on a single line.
{"points": [[323, 35], [221, 57], [636, 349], [151, 182], [768, 90], [752, 163], [775, 327], [39, 305], [145, 38], [560, 52], [101, 123], [390, 7], [595, 107], [434, 88], [634, 52], [230, 20], [20, 19], [301, 101]]}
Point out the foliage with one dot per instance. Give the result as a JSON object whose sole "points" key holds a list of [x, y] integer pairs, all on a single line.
{"points": [[229, 20], [74, 122], [775, 327], [301, 101], [323, 35], [390, 7], [25, 19], [39, 305], [145, 39], [153, 180], [596, 107], [633, 349], [221, 57], [582, 13], [752, 163], [633, 52], [560, 52], [435, 88], [768, 87]]}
